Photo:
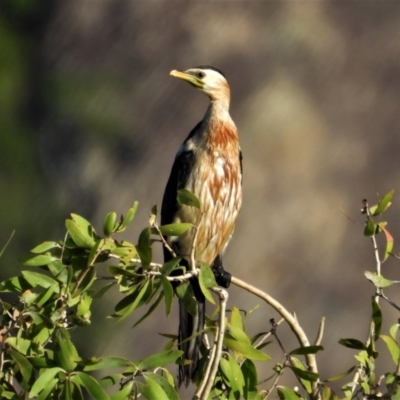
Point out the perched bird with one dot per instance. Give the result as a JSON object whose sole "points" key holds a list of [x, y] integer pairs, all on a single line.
{"points": [[209, 164]]}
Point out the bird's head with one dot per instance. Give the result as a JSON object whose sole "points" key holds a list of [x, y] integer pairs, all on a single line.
{"points": [[208, 80]]}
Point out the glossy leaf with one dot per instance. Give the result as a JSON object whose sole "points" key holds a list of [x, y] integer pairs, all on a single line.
{"points": [[124, 393], [342, 375], [170, 265], [306, 350], [187, 198], [306, 375], [38, 279], [185, 292], [285, 393], [65, 352], [80, 230], [353, 344], [20, 344], [152, 390], [127, 305], [168, 294], [45, 246], [376, 318], [173, 229], [94, 364], [238, 334], [245, 350], [109, 223], [378, 280], [250, 379], [394, 329], [370, 228], [236, 318], [327, 393], [389, 243], [129, 216], [295, 362], [159, 359], [17, 284], [150, 310], [44, 379], [38, 260], [90, 384], [384, 203], [393, 348], [24, 366], [206, 278], [166, 386], [144, 248]]}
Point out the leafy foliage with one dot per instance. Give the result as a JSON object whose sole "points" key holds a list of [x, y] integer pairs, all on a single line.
{"points": [[54, 296]]}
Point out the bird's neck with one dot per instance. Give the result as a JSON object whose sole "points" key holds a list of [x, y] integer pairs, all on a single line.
{"points": [[219, 126]]}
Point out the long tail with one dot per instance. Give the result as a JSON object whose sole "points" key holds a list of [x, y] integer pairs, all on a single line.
{"points": [[189, 325]]}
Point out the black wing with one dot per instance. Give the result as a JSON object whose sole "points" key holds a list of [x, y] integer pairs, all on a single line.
{"points": [[180, 172]]}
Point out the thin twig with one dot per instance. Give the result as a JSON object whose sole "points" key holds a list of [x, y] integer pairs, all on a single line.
{"points": [[320, 333], [164, 242], [294, 326], [213, 363]]}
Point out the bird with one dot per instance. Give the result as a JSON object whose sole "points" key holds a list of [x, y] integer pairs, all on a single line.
{"points": [[208, 164]]}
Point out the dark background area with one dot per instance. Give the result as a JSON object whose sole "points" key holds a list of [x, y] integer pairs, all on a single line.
{"points": [[91, 120]]}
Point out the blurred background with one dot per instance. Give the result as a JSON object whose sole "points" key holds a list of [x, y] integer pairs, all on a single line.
{"points": [[91, 120]]}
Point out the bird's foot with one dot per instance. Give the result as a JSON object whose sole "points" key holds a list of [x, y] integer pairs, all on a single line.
{"points": [[222, 277]]}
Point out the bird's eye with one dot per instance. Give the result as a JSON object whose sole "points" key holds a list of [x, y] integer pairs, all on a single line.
{"points": [[201, 74]]}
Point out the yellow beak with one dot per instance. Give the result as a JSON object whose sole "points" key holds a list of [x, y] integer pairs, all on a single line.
{"points": [[186, 77]]}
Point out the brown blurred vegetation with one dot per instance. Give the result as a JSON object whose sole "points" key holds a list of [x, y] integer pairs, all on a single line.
{"points": [[91, 121]]}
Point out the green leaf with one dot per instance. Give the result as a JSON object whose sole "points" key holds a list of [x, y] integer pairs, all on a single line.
{"points": [[80, 230], [173, 229], [306, 375], [65, 353], [295, 362], [20, 344], [237, 380], [124, 393], [159, 359], [353, 344], [384, 203], [152, 390], [94, 364], [250, 379], [306, 350], [206, 280], [45, 394], [389, 242], [44, 379], [83, 312], [167, 387], [109, 223], [90, 384], [378, 280], [393, 330], [376, 318], [327, 393], [17, 284], [185, 293], [150, 310], [342, 375], [38, 279], [127, 305], [370, 228], [24, 366], [128, 217], [170, 265], [38, 260], [168, 294], [393, 348], [245, 350], [45, 246], [144, 248], [185, 197], [285, 393], [238, 334], [236, 318]]}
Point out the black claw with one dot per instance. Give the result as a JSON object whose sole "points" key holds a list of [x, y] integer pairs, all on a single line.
{"points": [[222, 277]]}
